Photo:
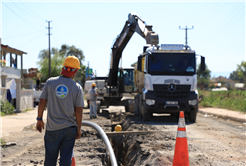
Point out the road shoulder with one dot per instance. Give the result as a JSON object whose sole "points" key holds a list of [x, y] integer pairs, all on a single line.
{"points": [[224, 113]]}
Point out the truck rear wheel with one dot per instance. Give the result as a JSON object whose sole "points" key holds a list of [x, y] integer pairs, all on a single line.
{"points": [[127, 108], [136, 105], [192, 116]]}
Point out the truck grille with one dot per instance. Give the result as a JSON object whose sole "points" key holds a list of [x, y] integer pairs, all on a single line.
{"points": [[162, 92]]}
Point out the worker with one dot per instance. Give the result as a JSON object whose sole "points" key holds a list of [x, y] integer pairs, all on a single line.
{"points": [[183, 64], [65, 101], [93, 101], [127, 80], [38, 84]]}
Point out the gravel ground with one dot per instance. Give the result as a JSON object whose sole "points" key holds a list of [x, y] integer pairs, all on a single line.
{"points": [[211, 141]]}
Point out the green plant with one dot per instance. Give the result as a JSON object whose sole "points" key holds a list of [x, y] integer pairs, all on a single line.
{"points": [[232, 99], [6, 107], [2, 142]]}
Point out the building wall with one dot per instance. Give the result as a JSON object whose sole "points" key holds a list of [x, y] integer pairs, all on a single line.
{"points": [[26, 99]]}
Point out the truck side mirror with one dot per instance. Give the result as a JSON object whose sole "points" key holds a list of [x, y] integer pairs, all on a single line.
{"points": [[140, 63], [202, 63]]}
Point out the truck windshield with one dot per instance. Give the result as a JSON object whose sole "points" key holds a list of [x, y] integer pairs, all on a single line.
{"points": [[172, 64]]}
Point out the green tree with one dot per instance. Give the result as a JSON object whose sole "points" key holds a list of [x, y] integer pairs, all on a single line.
{"points": [[234, 76], [203, 77], [67, 50], [76, 52], [63, 50], [134, 64], [57, 59], [56, 66], [240, 74], [45, 53]]}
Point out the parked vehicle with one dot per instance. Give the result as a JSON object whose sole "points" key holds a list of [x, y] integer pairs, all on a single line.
{"points": [[100, 88], [36, 97]]}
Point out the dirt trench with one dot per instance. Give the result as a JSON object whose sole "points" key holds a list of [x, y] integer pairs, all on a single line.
{"points": [[143, 149]]}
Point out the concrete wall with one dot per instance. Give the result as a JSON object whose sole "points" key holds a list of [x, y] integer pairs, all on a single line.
{"points": [[10, 72], [26, 99]]}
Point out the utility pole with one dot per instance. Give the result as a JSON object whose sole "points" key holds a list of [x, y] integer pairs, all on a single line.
{"points": [[49, 47], [186, 43], [88, 69]]}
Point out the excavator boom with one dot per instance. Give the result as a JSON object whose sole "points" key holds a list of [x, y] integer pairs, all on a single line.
{"points": [[133, 24]]}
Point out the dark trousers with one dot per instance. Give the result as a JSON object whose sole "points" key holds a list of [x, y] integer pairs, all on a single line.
{"points": [[59, 141]]}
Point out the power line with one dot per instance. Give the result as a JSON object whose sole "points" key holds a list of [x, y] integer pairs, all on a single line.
{"points": [[32, 39], [31, 17], [19, 16], [23, 34], [41, 18], [215, 34], [222, 23]]}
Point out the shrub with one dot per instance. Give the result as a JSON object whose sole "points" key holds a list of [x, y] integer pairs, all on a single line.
{"points": [[6, 107], [232, 99]]}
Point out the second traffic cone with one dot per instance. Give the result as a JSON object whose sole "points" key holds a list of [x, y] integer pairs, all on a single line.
{"points": [[181, 155], [73, 160]]}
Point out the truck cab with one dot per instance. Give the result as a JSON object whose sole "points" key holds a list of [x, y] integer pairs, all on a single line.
{"points": [[170, 81]]}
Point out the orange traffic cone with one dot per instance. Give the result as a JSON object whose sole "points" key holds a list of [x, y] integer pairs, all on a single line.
{"points": [[181, 155], [73, 160]]}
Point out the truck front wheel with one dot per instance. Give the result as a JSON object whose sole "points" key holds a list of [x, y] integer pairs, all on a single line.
{"points": [[88, 103], [146, 114], [192, 116], [98, 106]]}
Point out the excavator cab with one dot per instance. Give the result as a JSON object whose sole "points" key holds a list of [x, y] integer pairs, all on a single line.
{"points": [[126, 80]]}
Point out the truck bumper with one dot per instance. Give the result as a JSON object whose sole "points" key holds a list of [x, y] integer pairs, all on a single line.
{"points": [[161, 104]]}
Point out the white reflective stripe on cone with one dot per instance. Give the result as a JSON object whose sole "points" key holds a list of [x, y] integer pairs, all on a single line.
{"points": [[72, 155], [181, 122], [181, 134]]}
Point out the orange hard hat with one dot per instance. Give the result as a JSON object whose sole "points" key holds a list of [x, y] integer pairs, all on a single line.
{"points": [[72, 61], [93, 84]]}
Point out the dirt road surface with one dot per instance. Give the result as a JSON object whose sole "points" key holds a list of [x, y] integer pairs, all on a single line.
{"points": [[211, 141]]}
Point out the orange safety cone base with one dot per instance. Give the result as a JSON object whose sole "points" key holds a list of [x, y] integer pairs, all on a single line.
{"points": [[181, 156], [73, 162]]}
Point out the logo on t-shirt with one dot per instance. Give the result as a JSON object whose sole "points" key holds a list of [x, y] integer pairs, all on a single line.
{"points": [[61, 91]]}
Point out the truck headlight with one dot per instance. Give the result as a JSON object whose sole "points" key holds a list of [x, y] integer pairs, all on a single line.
{"points": [[150, 102], [192, 102]]}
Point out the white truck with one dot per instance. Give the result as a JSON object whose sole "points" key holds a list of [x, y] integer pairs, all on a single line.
{"points": [[166, 81], [169, 81]]}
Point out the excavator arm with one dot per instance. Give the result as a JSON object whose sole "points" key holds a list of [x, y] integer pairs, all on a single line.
{"points": [[133, 24]]}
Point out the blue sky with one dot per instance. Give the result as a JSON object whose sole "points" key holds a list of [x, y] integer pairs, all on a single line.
{"points": [[218, 34]]}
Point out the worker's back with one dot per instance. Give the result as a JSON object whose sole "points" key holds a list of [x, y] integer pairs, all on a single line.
{"points": [[61, 94], [92, 95]]}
